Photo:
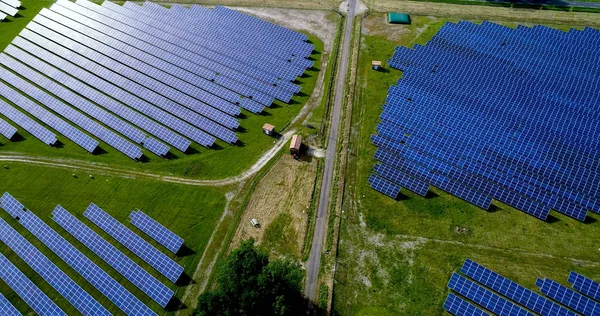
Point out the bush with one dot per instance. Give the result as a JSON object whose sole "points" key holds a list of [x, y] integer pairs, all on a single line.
{"points": [[249, 284]]}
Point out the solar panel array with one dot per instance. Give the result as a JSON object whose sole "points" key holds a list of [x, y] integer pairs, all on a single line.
{"points": [[114, 257], [585, 285], [118, 72], [9, 7], [488, 112], [64, 285], [156, 231], [7, 130], [6, 307], [80, 263], [27, 290], [483, 288], [485, 298], [459, 307], [136, 244]]}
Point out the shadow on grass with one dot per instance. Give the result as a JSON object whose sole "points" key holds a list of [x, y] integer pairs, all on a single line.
{"points": [[552, 219], [171, 156], [185, 280], [59, 144], [17, 138], [494, 208], [430, 195], [192, 151], [175, 305], [402, 197], [185, 251], [99, 151], [590, 220]]}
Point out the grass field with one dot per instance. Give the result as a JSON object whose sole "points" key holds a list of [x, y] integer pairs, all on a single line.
{"points": [[219, 162], [396, 257], [191, 212]]}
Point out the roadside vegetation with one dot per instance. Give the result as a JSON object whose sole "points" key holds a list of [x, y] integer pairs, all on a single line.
{"points": [[396, 257], [248, 283]]}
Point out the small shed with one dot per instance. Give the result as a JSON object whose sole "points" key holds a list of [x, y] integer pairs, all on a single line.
{"points": [[398, 18], [269, 129], [376, 64], [295, 145]]}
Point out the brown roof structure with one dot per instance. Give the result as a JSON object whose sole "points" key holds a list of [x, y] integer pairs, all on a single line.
{"points": [[296, 143], [268, 127]]}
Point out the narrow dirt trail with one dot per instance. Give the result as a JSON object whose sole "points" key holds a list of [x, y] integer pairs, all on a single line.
{"points": [[125, 173]]}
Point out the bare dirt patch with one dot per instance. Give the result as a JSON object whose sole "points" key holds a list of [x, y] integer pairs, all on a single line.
{"points": [[477, 12], [376, 24], [286, 189], [296, 4], [319, 23]]}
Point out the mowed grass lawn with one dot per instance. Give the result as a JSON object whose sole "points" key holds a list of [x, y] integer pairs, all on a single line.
{"points": [[190, 212], [222, 161], [396, 257]]}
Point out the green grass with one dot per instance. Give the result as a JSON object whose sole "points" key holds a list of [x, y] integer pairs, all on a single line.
{"points": [[222, 161], [280, 236], [190, 212], [396, 257]]}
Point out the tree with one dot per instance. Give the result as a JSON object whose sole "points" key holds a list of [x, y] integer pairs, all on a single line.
{"points": [[249, 284]]}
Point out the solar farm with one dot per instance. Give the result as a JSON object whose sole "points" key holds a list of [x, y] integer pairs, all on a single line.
{"points": [[443, 164], [480, 285], [539, 153], [477, 139], [175, 90], [136, 79], [100, 279]]}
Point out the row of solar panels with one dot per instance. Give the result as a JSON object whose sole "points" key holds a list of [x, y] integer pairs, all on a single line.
{"points": [[100, 279], [481, 291], [454, 123], [121, 75], [9, 7]]}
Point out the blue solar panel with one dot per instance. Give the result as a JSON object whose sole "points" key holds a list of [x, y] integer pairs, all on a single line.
{"points": [[64, 285], [406, 181], [85, 106], [74, 116], [156, 231], [115, 258], [459, 307], [108, 286], [11, 205], [132, 79], [151, 77], [222, 74], [119, 93], [384, 186], [7, 130], [485, 298], [585, 285], [100, 99], [568, 297], [512, 290], [163, 71], [156, 259], [29, 292], [6, 307], [157, 57], [31, 126], [527, 144]]}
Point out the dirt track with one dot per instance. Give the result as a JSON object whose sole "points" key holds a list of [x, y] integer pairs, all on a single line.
{"points": [[477, 12]]}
